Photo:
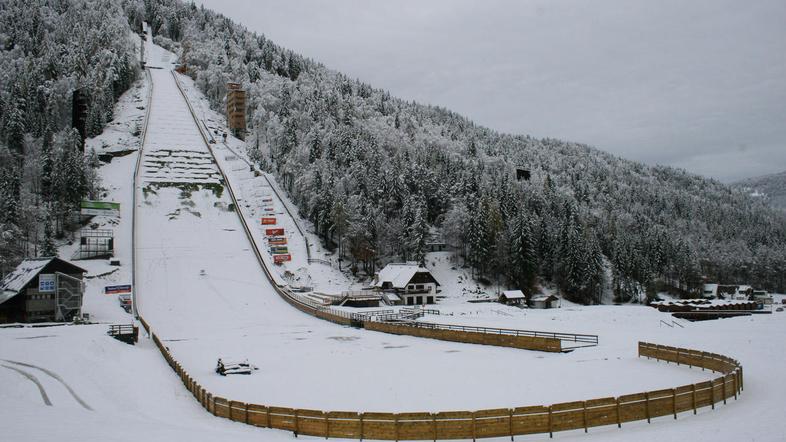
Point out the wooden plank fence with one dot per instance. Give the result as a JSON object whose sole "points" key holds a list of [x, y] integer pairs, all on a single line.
{"points": [[501, 422]]}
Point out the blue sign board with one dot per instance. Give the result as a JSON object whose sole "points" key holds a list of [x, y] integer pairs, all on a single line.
{"points": [[114, 289]]}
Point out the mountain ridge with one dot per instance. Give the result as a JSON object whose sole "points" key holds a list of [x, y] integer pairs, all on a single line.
{"points": [[770, 187]]}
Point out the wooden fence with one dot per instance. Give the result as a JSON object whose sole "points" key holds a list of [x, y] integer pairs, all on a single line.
{"points": [[498, 422]]}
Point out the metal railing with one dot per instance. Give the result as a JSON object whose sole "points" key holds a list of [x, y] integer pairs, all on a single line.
{"points": [[586, 340]]}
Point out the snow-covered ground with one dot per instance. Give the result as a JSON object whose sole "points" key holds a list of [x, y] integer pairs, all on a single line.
{"points": [[202, 291]]}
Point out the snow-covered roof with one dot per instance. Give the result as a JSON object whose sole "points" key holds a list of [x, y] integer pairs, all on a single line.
{"points": [[23, 274], [513, 294], [399, 275], [543, 298]]}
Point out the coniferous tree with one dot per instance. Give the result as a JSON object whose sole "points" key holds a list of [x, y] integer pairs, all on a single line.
{"points": [[523, 260]]}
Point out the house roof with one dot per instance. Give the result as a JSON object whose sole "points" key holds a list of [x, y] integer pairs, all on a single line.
{"points": [[399, 275], [25, 272], [544, 298], [513, 294]]}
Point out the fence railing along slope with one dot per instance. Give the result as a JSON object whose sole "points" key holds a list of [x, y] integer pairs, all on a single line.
{"points": [[491, 336]]}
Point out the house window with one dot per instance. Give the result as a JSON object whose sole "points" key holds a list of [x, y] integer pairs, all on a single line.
{"points": [[429, 300], [419, 287], [420, 300], [411, 287]]}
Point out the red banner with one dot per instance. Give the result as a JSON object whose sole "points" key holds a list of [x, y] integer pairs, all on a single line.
{"points": [[281, 258], [274, 232], [268, 221]]}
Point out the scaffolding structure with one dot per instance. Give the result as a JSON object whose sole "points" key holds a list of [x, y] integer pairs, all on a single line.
{"points": [[95, 243]]}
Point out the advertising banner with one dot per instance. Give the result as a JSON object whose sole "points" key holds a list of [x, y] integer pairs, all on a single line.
{"points": [[268, 220], [281, 258], [106, 208], [277, 241], [274, 232], [117, 289], [46, 283]]}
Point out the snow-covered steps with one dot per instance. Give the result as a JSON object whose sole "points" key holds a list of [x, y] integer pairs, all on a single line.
{"points": [[174, 152]]}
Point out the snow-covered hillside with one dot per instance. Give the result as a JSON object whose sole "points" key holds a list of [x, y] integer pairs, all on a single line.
{"points": [[772, 188]]}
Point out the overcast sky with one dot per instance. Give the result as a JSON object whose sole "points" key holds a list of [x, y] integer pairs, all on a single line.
{"points": [[694, 84]]}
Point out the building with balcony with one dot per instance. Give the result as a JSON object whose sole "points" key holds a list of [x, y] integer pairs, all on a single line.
{"points": [[410, 284]]}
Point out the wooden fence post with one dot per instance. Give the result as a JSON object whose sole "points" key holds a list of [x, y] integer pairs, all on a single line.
{"points": [[510, 423], [584, 414], [712, 393], [267, 417], [361, 426], [474, 429], [246, 413], [694, 398], [674, 401], [551, 431], [619, 418], [327, 425], [736, 385], [297, 426], [434, 422], [395, 425], [647, 405], [725, 382]]}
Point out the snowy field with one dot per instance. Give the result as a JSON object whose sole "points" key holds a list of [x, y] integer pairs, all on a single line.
{"points": [[201, 289]]}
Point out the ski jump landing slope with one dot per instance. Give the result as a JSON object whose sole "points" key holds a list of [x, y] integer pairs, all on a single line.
{"points": [[194, 264]]}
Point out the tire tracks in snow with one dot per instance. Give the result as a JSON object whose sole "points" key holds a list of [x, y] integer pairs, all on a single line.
{"points": [[54, 376], [32, 379]]}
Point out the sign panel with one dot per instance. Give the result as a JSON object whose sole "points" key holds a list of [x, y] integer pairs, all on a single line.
{"points": [[46, 283], [269, 209], [107, 208], [279, 249], [277, 241], [117, 289], [268, 220], [274, 232], [281, 258]]}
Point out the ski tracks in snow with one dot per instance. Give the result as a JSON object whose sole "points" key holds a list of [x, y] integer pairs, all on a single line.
{"points": [[34, 380], [49, 373]]}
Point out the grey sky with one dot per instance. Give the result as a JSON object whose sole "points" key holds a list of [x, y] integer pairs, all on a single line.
{"points": [[699, 84]]}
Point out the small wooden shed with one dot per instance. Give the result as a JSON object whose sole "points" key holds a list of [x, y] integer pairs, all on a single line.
{"points": [[544, 301], [513, 297]]}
